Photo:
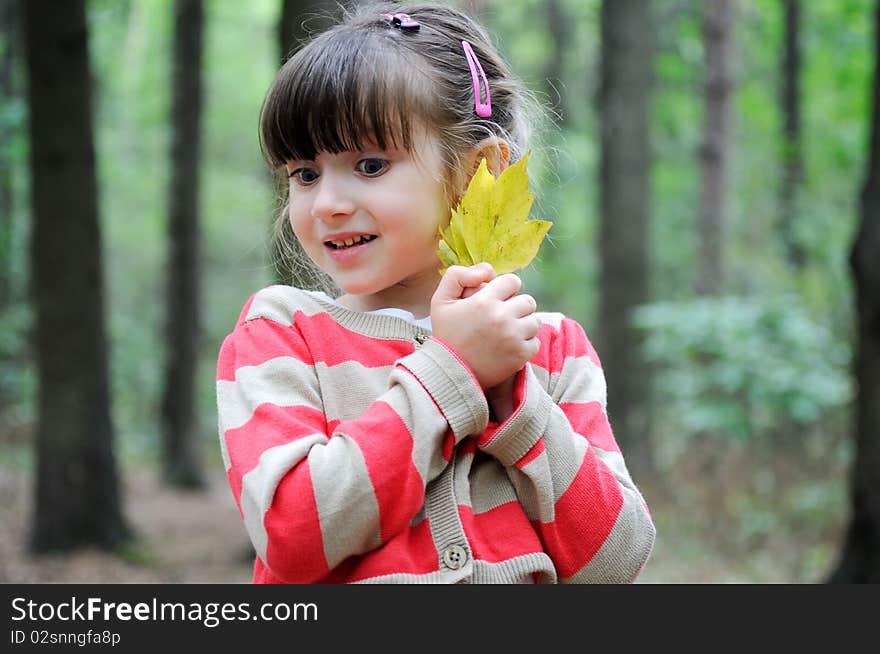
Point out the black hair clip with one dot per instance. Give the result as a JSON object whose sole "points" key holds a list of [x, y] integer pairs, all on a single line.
{"points": [[403, 22]]}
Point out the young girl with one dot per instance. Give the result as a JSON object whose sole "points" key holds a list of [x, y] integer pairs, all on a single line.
{"points": [[416, 428]]}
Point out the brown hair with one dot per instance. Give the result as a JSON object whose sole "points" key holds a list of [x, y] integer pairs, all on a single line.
{"points": [[365, 80]]}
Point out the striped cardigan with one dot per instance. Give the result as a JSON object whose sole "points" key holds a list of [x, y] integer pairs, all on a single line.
{"points": [[359, 449]]}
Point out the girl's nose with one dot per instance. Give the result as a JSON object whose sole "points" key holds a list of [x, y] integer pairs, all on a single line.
{"points": [[332, 199]]}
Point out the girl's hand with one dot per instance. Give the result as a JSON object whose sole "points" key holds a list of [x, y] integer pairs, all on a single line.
{"points": [[492, 328]]}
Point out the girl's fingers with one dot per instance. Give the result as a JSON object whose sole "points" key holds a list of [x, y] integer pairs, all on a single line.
{"points": [[530, 326], [522, 305], [503, 287], [458, 278], [533, 345], [470, 290]]}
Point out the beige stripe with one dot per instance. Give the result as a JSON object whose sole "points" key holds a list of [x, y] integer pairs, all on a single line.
{"points": [[279, 303], [349, 388], [347, 506], [282, 381], [565, 451], [423, 420], [580, 380], [258, 486], [490, 485], [276, 303], [552, 318], [541, 375], [615, 463], [461, 483], [224, 451]]}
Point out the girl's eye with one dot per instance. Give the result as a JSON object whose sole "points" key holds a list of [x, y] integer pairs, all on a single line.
{"points": [[372, 167], [304, 176]]}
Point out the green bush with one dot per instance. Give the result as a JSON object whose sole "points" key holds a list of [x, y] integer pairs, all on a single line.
{"points": [[742, 368]]}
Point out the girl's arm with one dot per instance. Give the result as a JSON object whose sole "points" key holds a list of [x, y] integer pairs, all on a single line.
{"points": [[310, 494], [566, 466]]}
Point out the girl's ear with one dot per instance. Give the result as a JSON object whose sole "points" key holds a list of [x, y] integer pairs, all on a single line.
{"points": [[494, 150]]}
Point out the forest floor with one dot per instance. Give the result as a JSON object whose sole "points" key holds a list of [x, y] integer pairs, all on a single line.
{"points": [[181, 537], [198, 537]]}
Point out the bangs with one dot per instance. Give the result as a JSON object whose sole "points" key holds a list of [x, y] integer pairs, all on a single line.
{"points": [[346, 94]]}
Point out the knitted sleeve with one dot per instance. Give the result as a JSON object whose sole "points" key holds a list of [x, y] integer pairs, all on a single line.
{"points": [[313, 494], [567, 469]]}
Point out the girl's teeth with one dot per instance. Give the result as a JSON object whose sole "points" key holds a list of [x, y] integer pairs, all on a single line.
{"points": [[350, 241]]}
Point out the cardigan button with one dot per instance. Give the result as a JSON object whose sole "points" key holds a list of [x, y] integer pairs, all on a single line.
{"points": [[455, 556]]}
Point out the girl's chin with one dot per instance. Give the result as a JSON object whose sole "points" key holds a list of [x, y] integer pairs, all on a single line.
{"points": [[355, 287]]}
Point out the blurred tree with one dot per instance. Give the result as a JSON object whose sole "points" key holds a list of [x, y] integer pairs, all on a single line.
{"points": [[9, 36], [559, 27], [714, 154], [860, 557], [792, 156], [179, 426], [626, 64], [77, 495]]}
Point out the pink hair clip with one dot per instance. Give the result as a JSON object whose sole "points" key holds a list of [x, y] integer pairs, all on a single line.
{"points": [[403, 22], [483, 109]]}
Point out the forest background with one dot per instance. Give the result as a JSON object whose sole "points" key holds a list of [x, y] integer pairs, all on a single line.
{"points": [[746, 452]]}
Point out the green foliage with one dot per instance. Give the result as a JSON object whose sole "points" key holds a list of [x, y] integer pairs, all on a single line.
{"points": [[742, 368], [17, 381]]}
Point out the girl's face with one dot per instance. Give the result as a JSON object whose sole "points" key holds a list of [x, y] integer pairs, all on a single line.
{"points": [[370, 218]]}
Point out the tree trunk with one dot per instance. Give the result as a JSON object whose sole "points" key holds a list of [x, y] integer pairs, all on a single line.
{"points": [[860, 557], [180, 433], [792, 157], [714, 151], [558, 29], [77, 496], [626, 60]]}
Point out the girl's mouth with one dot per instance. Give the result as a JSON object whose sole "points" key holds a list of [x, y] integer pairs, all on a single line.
{"points": [[350, 242]]}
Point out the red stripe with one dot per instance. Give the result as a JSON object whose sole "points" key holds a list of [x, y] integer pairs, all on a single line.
{"points": [[569, 341], [411, 551], [256, 342], [270, 426], [499, 533], [262, 574], [468, 446], [295, 551], [333, 344], [235, 485], [448, 445], [546, 335], [589, 420], [387, 447], [574, 341], [585, 515]]}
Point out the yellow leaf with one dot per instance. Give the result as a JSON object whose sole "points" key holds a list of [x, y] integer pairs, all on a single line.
{"points": [[491, 222]]}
